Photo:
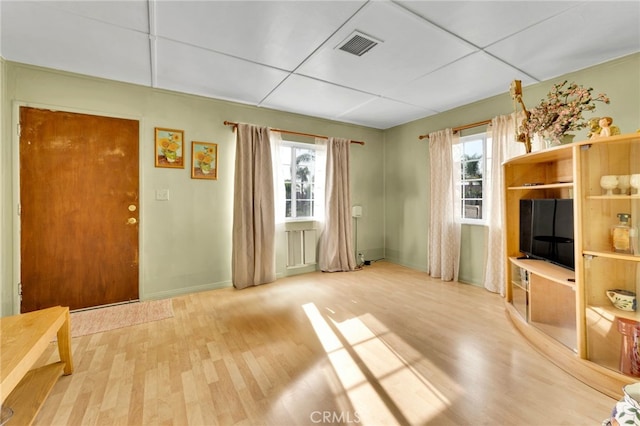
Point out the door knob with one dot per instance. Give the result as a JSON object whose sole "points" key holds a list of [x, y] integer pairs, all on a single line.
{"points": [[132, 208], [132, 221]]}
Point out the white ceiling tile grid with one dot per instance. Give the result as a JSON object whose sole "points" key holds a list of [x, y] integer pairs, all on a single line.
{"points": [[430, 56]]}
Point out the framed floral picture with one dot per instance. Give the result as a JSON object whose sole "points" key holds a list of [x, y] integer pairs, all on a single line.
{"points": [[169, 147], [204, 160]]}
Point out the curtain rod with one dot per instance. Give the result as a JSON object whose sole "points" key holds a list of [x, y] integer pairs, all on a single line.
{"points": [[291, 132], [464, 127]]}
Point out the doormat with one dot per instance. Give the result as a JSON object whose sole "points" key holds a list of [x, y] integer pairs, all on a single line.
{"points": [[119, 316]]}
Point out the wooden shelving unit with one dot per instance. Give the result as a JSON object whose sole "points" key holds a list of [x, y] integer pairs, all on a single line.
{"points": [[572, 322]]}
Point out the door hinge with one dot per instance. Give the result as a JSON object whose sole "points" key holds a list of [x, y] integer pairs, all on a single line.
{"points": [[20, 291], [19, 209]]}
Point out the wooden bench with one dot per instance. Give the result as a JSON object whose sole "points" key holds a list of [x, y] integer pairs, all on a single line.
{"points": [[24, 338]]}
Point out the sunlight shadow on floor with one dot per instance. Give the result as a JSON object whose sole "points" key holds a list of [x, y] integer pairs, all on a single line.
{"points": [[382, 386]]}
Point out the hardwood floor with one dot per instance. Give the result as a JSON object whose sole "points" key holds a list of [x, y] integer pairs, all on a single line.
{"points": [[385, 345]]}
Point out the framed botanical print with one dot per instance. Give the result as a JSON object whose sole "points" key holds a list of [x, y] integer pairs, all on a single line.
{"points": [[204, 160], [169, 145]]}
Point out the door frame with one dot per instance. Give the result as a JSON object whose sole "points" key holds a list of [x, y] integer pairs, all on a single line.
{"points": [[15, 198]]}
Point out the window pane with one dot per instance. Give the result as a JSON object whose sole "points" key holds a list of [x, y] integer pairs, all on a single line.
{"points": [[305, 192], [287, 196], [304, 208], [471, 170], [287, 189], [472, 209], [473, 147], [472, 189], [305, 159]]}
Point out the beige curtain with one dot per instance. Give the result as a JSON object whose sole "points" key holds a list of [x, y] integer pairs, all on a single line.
{"points": [[502, 147], [253, 252], [444, 228], [335, 245]]}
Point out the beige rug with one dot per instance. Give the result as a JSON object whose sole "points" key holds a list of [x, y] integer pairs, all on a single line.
{"points": [[119, 316]]}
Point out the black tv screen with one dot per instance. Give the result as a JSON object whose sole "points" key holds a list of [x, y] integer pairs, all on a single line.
{"points": [[546, 230]]}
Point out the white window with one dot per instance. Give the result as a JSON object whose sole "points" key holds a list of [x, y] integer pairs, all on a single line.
{"points": [[471, 155], [298, 167]]}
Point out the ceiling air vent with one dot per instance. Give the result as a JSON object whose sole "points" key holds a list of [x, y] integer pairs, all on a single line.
{"points": [[358, 43]]}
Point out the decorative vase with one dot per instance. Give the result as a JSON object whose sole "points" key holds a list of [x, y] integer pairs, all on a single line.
{"points": [[609, 183], [624, 183], [553, 140], [550, 141], [627, 410], [567, 138], [622, 299], [634, 181], [171, 156]]}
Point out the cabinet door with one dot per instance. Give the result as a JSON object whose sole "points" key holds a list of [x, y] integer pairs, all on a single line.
{"points": [[520, 292], [552, 309], [602, 268], [603, 338]]}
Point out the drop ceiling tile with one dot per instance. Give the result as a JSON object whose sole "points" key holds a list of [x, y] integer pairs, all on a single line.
{"points": [[471, 79], [485, 22], [381, 113], [197, 71], [428, 61], [130, 14], [275, 33], [410, 48], [312, 97], [578, 38], [48, 37]]}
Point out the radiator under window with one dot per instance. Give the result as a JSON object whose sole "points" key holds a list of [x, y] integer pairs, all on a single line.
{"points": [[301, 248]]}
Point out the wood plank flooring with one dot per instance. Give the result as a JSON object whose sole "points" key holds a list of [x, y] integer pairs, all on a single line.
{"points": [[382, 346]]}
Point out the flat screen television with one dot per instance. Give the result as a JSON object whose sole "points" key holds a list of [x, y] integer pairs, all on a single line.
{"points": [[546, 230]]}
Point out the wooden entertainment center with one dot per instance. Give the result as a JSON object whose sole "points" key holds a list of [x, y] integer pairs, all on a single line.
{"points": [[566, 314]]}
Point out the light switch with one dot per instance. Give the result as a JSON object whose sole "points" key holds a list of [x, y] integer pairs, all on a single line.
{"points": [[162, 194]]}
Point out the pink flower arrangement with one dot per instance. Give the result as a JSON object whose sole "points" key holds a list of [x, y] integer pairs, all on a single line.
{"points": [[561, 111]]}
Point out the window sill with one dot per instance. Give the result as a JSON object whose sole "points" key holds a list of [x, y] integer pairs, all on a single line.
{"points": [[473, 222], [300, 224]]}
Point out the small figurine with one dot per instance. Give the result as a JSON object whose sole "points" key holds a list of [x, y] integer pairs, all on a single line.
{"points": [[604, 128], [615, 130], [594, 128]]}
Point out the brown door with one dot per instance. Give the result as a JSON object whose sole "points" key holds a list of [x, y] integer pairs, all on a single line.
{"points": [[78, 209]]}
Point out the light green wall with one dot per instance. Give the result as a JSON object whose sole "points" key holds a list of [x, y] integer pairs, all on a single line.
{"points": [[407, 159], [185, 243]]}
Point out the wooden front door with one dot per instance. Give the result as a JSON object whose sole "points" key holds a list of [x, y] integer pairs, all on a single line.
{"points": [[78, 209]]}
